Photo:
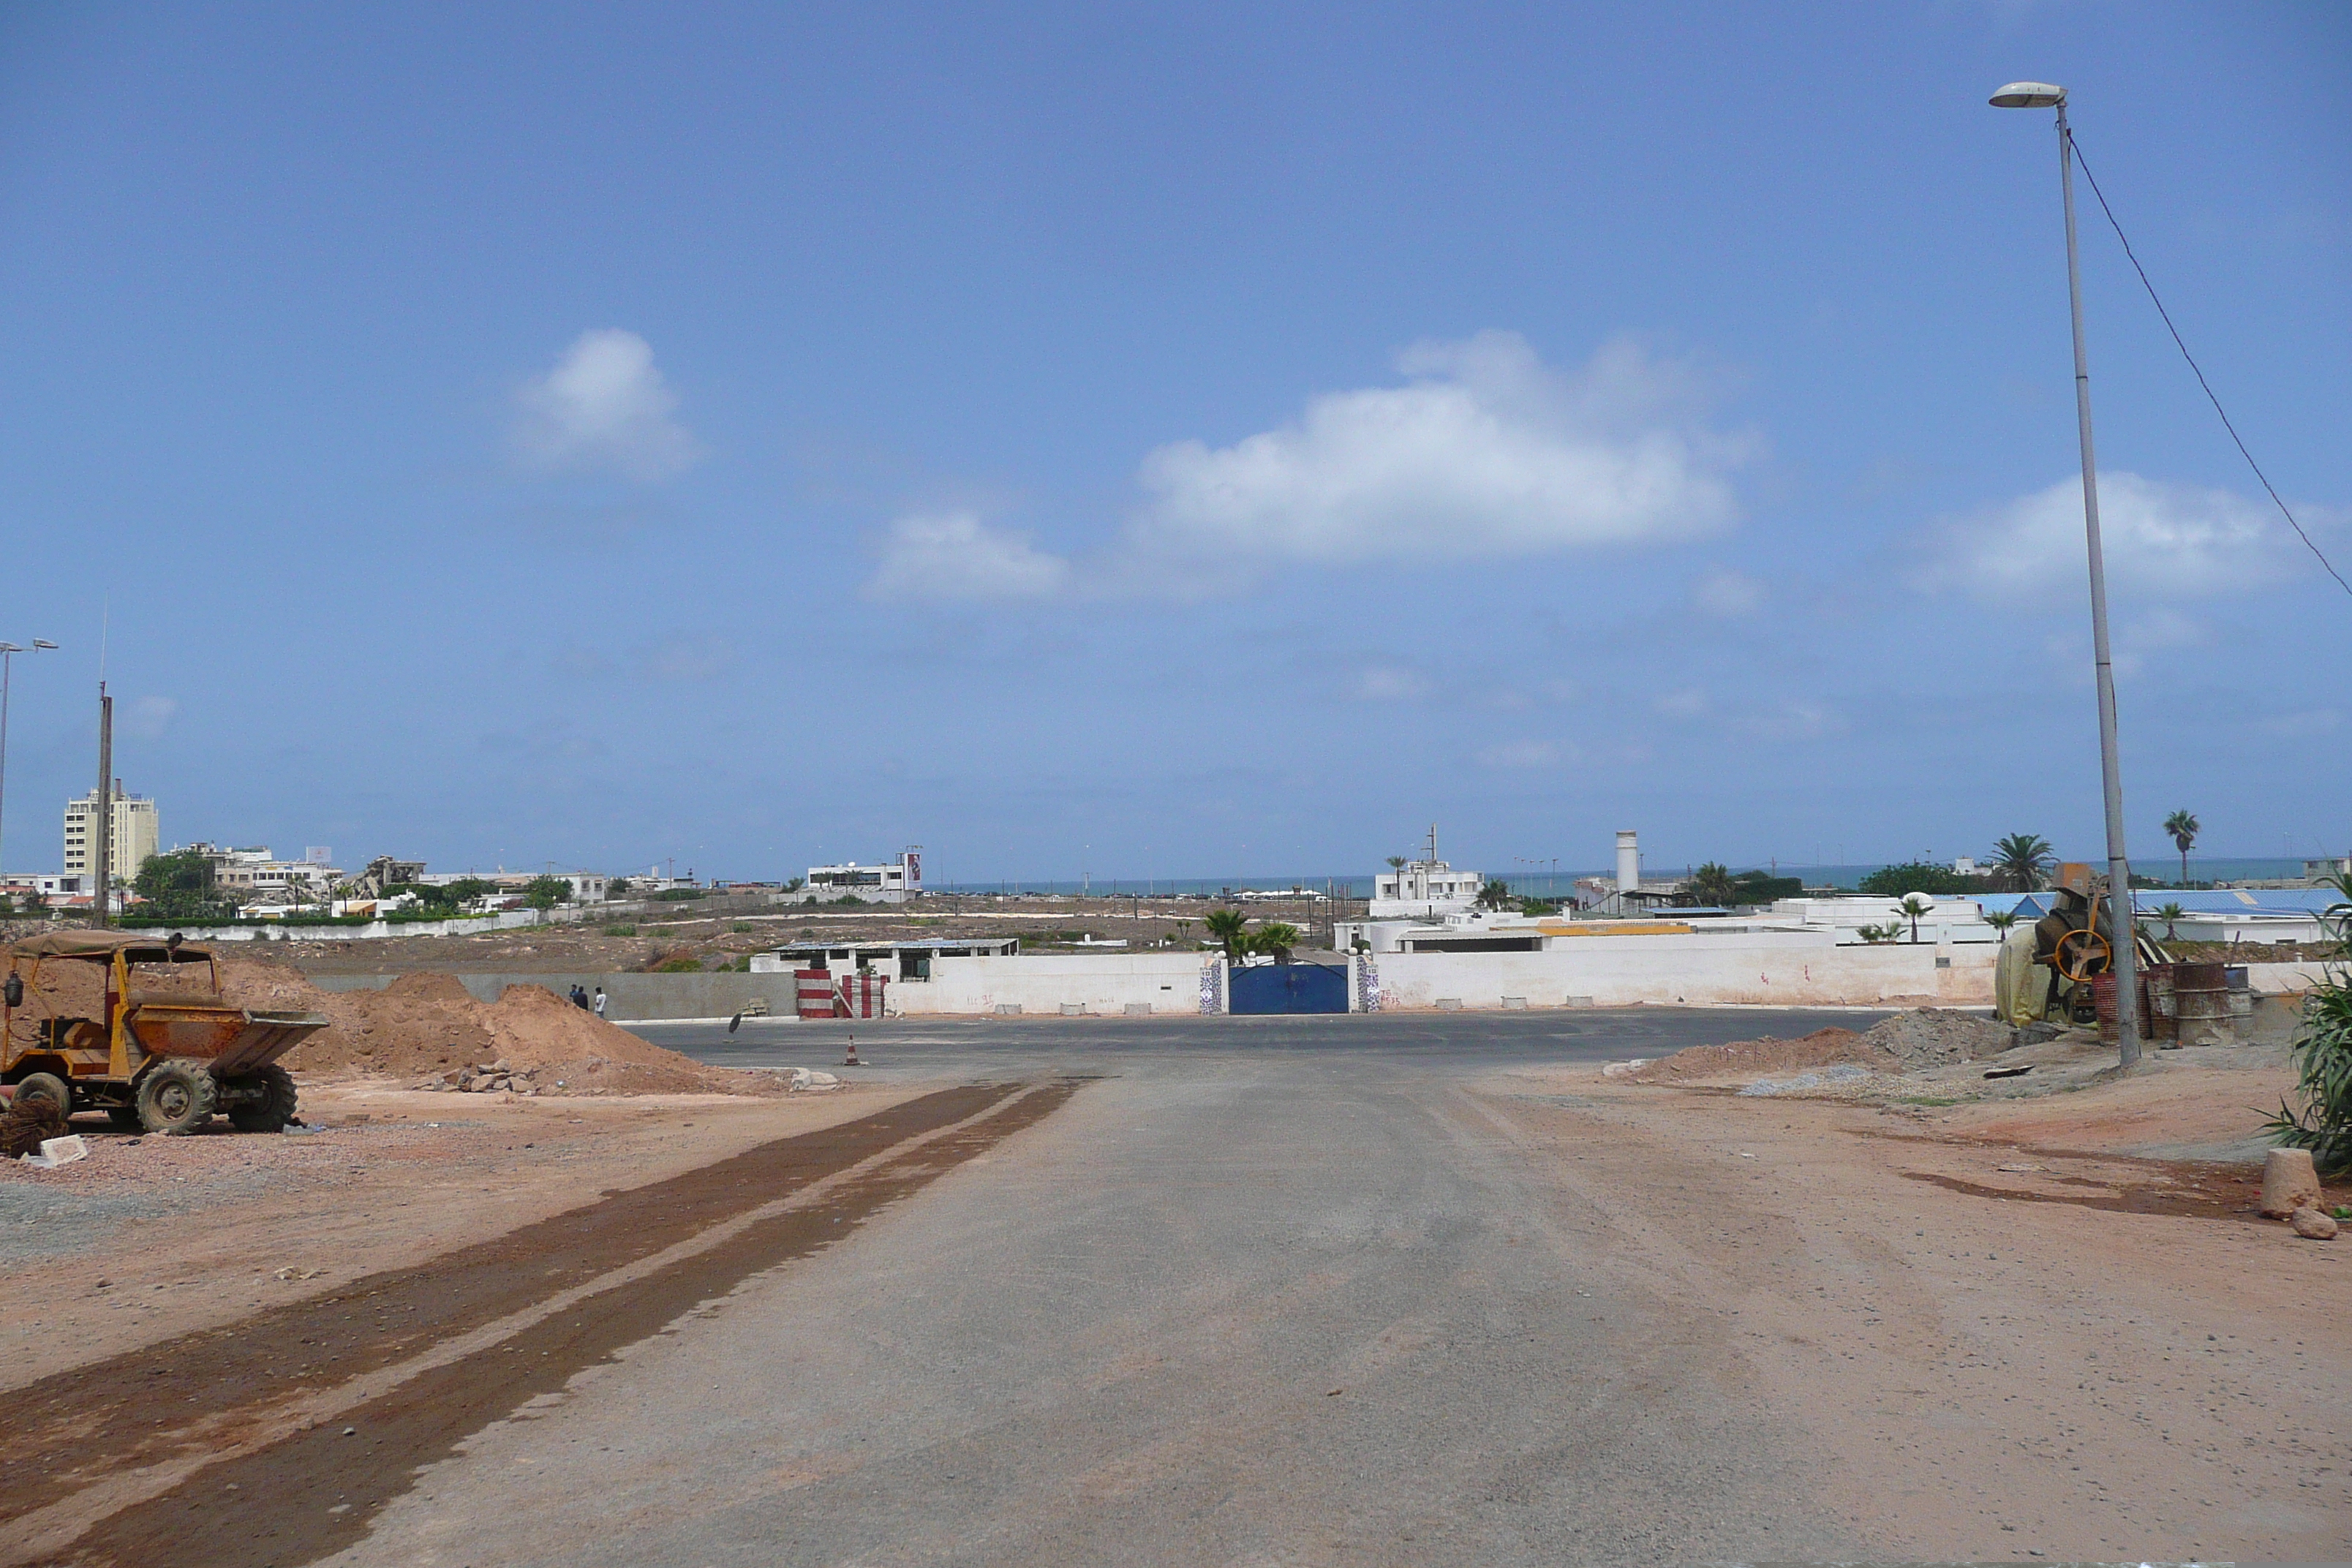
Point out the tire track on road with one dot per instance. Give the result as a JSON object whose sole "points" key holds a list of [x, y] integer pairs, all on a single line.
{"points": [[313, 1492], [165, 1406]]}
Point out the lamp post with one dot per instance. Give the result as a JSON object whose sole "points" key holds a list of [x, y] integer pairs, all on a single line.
{"points": [[2124, 963], [8, 652]]}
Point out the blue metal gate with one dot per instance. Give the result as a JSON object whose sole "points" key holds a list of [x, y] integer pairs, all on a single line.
{"points": [[1287, 988]]}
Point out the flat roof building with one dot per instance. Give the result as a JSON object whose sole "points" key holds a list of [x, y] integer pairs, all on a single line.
{"points": [[891, 882], [130, 829]]}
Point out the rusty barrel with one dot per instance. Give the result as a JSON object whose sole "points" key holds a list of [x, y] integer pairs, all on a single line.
{"points": [[2200, 1001]]}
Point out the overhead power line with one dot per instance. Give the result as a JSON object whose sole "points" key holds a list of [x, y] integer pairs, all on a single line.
{"points": [[2198, 373]]}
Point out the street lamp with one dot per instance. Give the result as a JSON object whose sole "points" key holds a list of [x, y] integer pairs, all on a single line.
{"points": [[8, 652], [2124, 963]]}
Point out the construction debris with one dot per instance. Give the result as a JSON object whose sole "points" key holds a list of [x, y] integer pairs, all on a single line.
{"points": [[55, 1151], [1937, 1037], [30, 1121]]}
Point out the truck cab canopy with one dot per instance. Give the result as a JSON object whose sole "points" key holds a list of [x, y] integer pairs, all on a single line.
{"points": [[101, 946]]}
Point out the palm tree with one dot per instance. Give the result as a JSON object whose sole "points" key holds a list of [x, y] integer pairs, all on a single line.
{"points": [[2021, 861], [1275, 939], [1495, 895], [1915, 905], [1230, 929], [2167, 913], [2000, 920], [2183, 827], [1712, 884]]}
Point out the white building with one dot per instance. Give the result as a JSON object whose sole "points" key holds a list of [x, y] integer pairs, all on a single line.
{"points": [[891, 882], [130, 834], [255, 876], [1426, 887]]}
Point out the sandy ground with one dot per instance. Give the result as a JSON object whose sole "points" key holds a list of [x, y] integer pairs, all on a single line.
{"points": [[2054, 1321], [151, 1237], [2007, 1320]]}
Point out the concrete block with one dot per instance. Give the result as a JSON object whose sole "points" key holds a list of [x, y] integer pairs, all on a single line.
{"points": [[1139, 1009], [2289, 1183], [1515, 1003], [1449, 1004]]}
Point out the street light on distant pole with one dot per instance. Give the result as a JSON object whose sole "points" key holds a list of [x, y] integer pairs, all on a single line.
{"points": [[8, 652], [2124, 963]]}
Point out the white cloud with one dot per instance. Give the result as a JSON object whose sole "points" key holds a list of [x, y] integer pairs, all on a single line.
{"points": [[1690, 703], [1729, 594], [2293, 726], [1483, 452], [688, 658], [1789, 722], [1387, 683], [954, 555], [2161, 541], [1520, 754], [148, 716], [605, 406]]}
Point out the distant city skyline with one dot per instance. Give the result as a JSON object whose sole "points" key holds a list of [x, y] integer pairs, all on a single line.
{"points": [[1210, 437]]}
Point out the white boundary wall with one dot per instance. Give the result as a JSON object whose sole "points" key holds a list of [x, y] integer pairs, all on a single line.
{"points": [[1056, 982], [1803, 969]]}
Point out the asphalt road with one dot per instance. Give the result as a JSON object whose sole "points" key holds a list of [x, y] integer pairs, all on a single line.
{"points": [[1265, 1291], [926, 1047]]}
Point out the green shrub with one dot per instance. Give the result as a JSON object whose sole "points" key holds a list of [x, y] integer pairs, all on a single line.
{"points": [[620, 930], [681, 965], [743, 927], [2322, 1122], [1919, 877], [677, 895]]}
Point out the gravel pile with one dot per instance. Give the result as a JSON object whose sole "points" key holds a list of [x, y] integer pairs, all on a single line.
{"points": [[1933, 1037], [1744, 1058]]}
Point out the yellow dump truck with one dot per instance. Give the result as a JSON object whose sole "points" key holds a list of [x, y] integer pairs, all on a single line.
{"points": [[135, 1025]]}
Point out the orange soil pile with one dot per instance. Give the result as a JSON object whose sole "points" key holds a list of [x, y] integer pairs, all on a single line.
{"points": [[429, 1026], [1747, 1058]]}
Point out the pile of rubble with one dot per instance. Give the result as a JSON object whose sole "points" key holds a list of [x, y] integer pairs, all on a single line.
{"points": [[1840, 1059]]}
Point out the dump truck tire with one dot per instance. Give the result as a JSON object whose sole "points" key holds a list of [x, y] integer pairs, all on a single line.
{"points": [[176, 1097], [46, 1085], [273, 1109]]}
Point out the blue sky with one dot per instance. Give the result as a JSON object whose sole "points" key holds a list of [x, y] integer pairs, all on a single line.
{"points": [[1195, 441]]}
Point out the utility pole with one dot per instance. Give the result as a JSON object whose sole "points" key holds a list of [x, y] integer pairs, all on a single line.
{"points": [[2123, 929], [104, 830]]}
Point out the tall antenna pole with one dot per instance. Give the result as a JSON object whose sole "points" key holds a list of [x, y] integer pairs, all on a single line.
{"points": [[103, 829]]}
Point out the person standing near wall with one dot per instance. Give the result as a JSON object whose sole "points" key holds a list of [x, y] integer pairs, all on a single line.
{"points": [[599, 1001]]}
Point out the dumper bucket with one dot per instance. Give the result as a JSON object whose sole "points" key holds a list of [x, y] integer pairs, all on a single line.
{"points": [[231, 1040], [265, 1038]]}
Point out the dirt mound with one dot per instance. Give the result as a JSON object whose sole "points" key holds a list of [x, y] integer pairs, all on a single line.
{"points": [[1930, 1037], [429, 1026], [1741, 1057], [531, 1025], [1933, 1037]]}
